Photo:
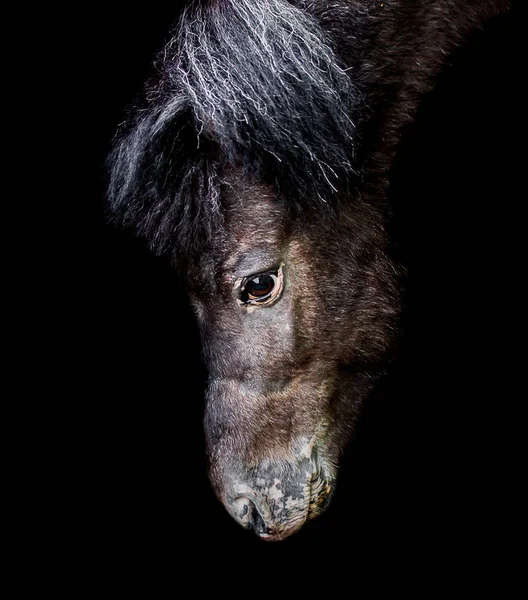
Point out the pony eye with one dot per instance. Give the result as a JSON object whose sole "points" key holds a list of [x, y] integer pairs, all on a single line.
{"points": [[261, 289], [260, 286]]}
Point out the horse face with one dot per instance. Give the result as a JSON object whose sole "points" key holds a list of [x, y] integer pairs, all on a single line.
{"points": [[295, 319]]}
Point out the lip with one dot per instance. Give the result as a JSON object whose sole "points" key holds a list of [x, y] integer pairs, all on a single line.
{"points": [[268, 537], [278, 536]]}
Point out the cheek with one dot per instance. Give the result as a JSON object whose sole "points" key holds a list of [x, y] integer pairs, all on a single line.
{"points": [[306, 289], [247, 344], [266, 342]]}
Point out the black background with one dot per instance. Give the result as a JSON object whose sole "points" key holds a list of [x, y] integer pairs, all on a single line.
{"points": [[423, 487]]}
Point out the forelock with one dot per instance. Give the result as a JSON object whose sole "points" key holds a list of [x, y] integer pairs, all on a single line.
{"points": [[253, 84]]}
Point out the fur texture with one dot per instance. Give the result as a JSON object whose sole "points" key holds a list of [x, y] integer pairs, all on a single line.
{"points": [[309, 96], [251, 84], [265, 145]]}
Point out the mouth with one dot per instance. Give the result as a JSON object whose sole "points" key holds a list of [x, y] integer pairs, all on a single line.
{"points": [[319, 497]]}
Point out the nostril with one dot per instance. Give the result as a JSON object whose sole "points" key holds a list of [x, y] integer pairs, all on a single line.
{"points": [[249, 516], [243, 509], [242, 506], [258, 525]]}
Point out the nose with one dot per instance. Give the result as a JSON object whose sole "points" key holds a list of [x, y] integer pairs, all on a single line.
{"points": [[275, 501], [245, 511]]}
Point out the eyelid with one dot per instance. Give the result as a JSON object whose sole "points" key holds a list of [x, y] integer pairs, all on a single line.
{"points": [[252, 274], [272, 273]]}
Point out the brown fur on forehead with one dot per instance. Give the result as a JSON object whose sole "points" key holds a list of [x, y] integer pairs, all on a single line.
{"points": [[250, 238], [255, 225]]}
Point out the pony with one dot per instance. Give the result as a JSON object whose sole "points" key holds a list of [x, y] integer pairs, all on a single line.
{"points": [[258, 159]]}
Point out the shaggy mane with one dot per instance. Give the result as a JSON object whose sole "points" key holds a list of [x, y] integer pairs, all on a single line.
{"points": [[248, 83]]}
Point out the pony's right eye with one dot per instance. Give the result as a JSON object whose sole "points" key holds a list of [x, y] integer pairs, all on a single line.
{"points": [[262, 289], [261, 286]]}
